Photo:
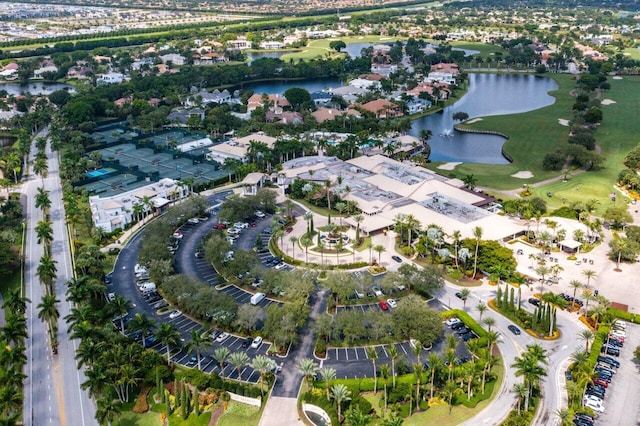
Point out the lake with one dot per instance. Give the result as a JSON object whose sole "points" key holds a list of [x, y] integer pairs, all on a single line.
{"points": [[488, 94], [279, 87], [40, 88]]}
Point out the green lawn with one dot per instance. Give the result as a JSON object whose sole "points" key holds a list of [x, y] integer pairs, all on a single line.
{"points": [[320, 48], [238, 414], [538, 131], [10, 282], [129, 418]]}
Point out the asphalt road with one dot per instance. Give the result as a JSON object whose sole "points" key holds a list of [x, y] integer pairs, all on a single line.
{"points": [[53, 393]]}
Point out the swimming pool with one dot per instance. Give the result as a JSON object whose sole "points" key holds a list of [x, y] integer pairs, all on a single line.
{"points": [[99, 172]]}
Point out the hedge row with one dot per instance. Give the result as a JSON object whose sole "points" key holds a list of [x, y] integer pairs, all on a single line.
{"points": [[598, 342], [623, 315]]}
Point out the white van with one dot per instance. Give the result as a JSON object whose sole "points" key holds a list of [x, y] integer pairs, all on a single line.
{"points": [[257, 298], [145, 288]]}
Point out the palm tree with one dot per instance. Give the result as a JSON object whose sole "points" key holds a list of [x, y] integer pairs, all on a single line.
{"points": [[588, 296], [48, 312], [520, 389], [120, 307], [340, 394], [47, 272], [239, 360], [108, 411], [221, 355], [477, 233], [482, 308], [327, 188], [42, 200], [199, 340], [450, 389], [15, 302], [44, 233], [373, 356], [492, 339], [564, 416], [588, 273], [358, 219], [379, 249], [489, 322], [392, 350], [464, 295], [168, 336], [307, 367], [141, 322], [588, 336], [327, 374], [262, 365], [294, 241], [575, 285]]}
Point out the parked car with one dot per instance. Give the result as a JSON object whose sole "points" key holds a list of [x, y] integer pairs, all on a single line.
{"points": [[610, 350], [192, 361], [215, 334], [515, 330], [609, 360], [255, 344], [222, 337], [219, 226], [259, 214], [451, 321], [175, 314], [383, 305], [392, 303], [377, 291], [247, 342], [194, 221], [534, 301], [397, 258]]}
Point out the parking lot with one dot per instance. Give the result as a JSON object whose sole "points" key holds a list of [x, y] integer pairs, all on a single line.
{"points": [[363, 308], [242, 296], [621, 403]]}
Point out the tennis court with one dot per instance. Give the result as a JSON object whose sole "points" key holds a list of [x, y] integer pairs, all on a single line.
{"points": [[100, 172]]}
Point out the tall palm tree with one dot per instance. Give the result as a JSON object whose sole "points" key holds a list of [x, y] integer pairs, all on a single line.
{"points": [[222, 356], [119, 307], [307, 367], [477, 233], [521, 391], [392, 350], [44, 234], [327, 374], [482, 308], [294, 241], [262, 365], [141, 322], [108, 411], [492, 339], [379, 249], [42, 200], [358, 219], [239, 360], [575, 285], [564, 416], [589, 274], [327, 189], [15, 302], [168, 336], [47, 272], [199, 340], [588, 336], [373, 356], [489, 322], [49, 313], [464, 295], [340, 394], [457, 235], [435, 363]]}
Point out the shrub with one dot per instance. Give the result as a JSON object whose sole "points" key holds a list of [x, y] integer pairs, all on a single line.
{"points": [[623, 315]]}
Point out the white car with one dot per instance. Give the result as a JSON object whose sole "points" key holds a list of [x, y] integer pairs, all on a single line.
{"points": [[377, 291], [452, 321], [221, 338], [392, 303], [178, 235], [280, 266], [194, 221], [260, 214], [591, 398], [175, 314], [620, 324], [619, 333], [256, 342], [595, 406]]}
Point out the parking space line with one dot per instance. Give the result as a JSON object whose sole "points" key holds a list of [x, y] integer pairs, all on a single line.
{"points": [[346, 354]]}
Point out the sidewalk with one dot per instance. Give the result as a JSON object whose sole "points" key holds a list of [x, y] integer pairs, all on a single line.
{"points": [[280, 411]]}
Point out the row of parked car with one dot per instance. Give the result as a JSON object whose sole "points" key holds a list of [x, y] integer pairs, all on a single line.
{"points": [[604, 370], [460, 329]]}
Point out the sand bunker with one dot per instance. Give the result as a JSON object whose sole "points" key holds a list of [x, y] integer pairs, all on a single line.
{"points": [[563, 122], [524, 174], [449, 166], [617, 77], [475, 120], [607, 102]]}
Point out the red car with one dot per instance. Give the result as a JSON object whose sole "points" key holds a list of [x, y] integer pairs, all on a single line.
{"points": [[601, 382], [383, 305], [219, 226], [618, 338]]}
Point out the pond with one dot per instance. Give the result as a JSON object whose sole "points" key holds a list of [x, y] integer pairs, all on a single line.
{"points": [[40, 88], [354, 49], [488, 94], [279, 87]]}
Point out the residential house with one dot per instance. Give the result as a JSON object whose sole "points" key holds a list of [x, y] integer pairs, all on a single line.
{"points": [[205, 98], [252, 183], [181, 116], [272, 45], [173, 58], [46, 67], [348, 93], [384, 69], [209, 58], [441, 77], [123, 101], [241, 43], [448, 68], [109, 78], [257, 101], [284, 117], [362, 83], [321, 98], [382, 108], [329, 114], [80, 72]]}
